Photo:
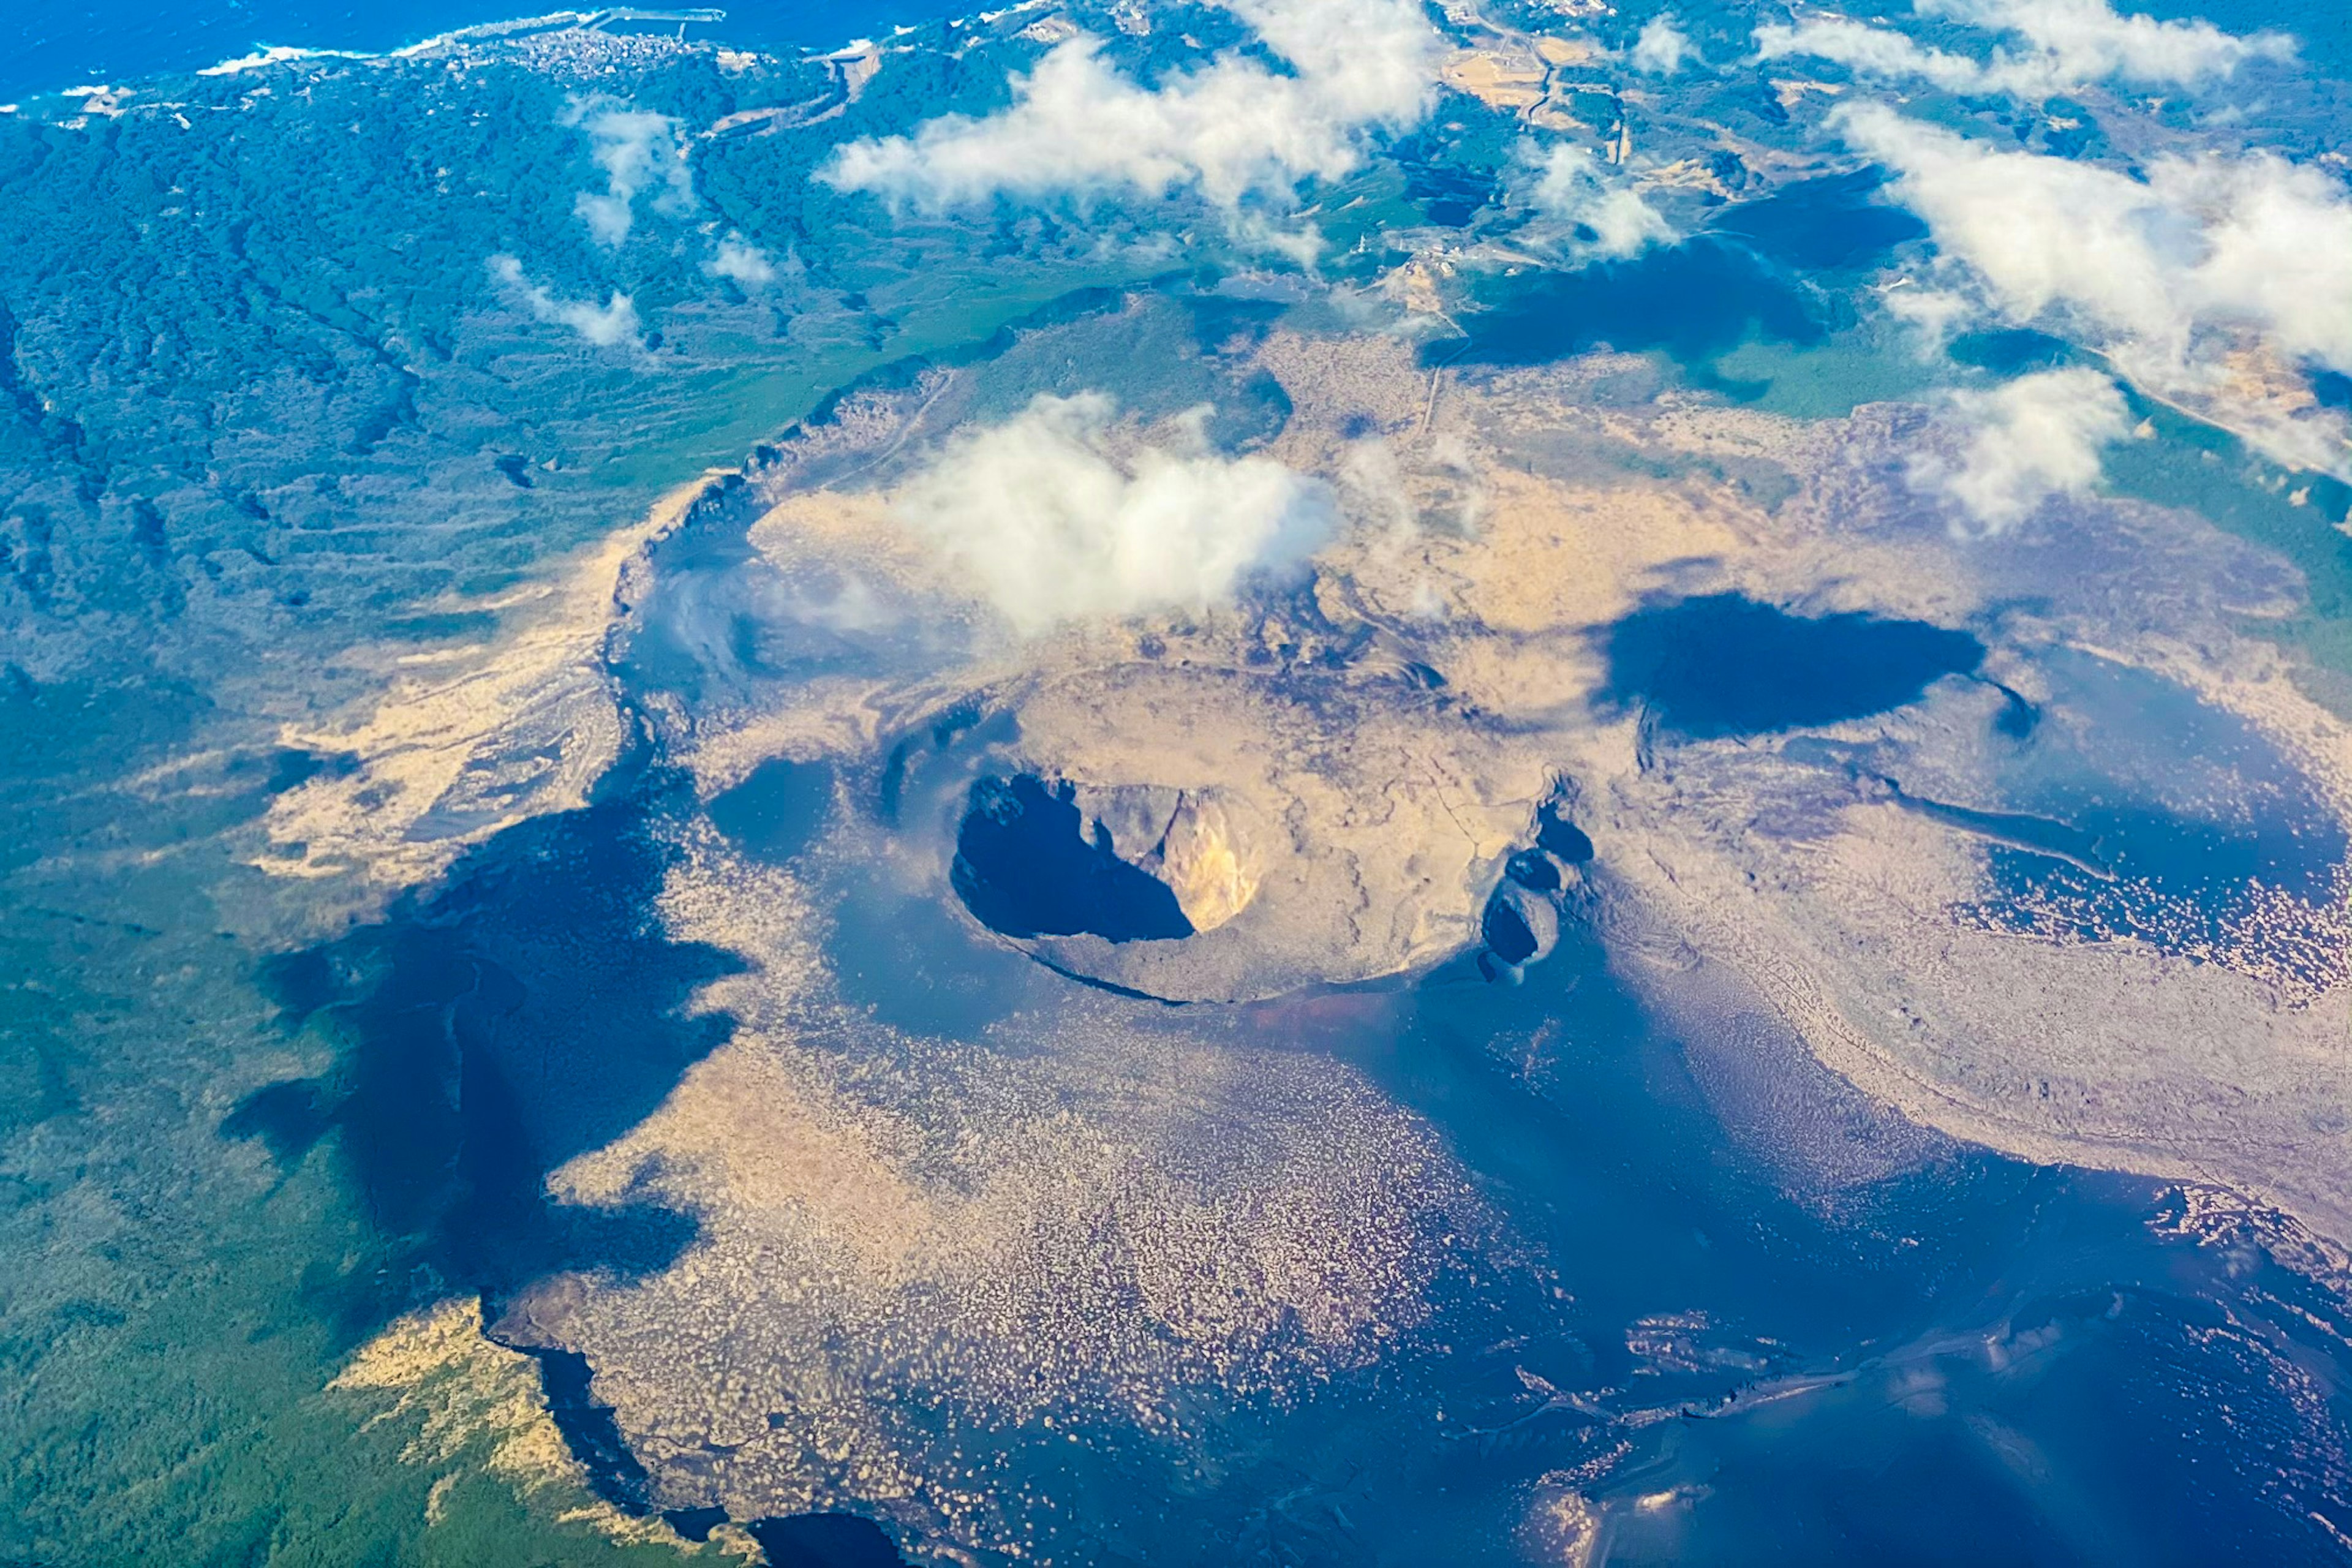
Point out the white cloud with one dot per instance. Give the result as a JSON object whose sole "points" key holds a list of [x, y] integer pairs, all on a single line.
{"points": [[2029, 439], [2089, 40], [1939, 314], [745, 263], [1661, 48], [1053, 524], [2206, 280], [639, 152], [1232, 128], [614, 322], [2058, 45], [1371, 488], [1568, 185], [1871, 51]]}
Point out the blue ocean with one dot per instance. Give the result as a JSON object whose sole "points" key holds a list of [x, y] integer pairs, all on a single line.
{"points": [[48, 45]]}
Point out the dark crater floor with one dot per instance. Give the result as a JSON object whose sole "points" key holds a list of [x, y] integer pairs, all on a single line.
{"points": [[1026, 866]]}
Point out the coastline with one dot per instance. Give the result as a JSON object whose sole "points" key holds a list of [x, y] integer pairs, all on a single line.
{"points": [[813, 32]]}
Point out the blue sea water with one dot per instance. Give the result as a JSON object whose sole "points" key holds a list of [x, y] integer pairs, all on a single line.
{"points": [[48, 45]]}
